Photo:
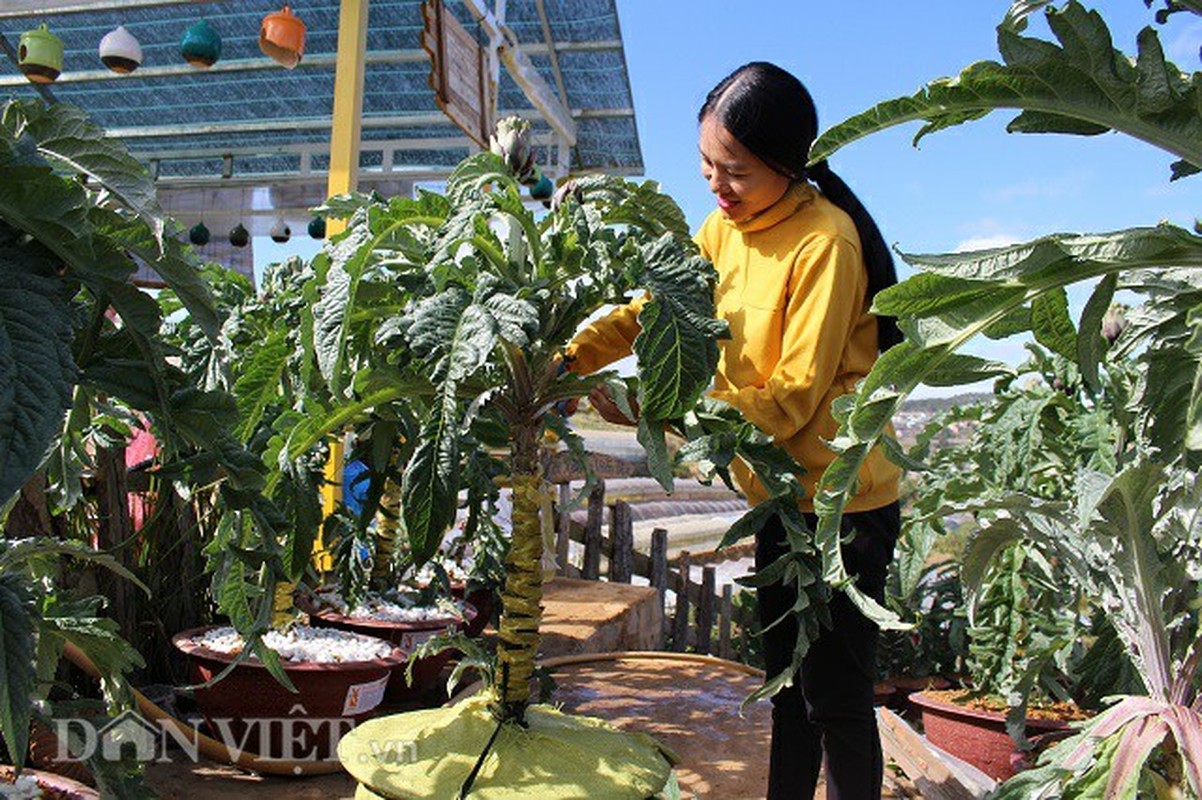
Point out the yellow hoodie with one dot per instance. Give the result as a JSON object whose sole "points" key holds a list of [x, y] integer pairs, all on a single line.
{"points": [[791, 285]]}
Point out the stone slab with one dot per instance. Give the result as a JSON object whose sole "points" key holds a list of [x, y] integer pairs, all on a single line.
{"points": [[598, 617]]}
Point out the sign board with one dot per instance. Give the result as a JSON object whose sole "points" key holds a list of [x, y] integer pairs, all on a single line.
{"points": [[458, 71]]}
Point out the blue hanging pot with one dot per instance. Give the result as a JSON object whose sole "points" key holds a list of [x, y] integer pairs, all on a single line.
{"points": [[317, 227], [199, 235], [40, 55], [201, 45]]}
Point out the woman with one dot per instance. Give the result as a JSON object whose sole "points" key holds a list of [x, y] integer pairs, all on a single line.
{"points": [[798, 260]]}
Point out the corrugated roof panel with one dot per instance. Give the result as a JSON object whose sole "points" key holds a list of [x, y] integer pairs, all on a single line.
{"points": [[286, 112]]}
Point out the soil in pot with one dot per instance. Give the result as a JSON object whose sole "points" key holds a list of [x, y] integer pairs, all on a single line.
{"points": [[339, 677], [977, 734], [406, 631]]}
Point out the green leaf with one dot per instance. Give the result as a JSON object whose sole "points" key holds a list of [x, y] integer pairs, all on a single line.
{"points": [[37, 369], [1120, 520], [1051, 324], [258, 386], [676, 346], [67, 138], [1084, 80], [430, 487], [748, 525], [659, 463], [18, 643], [1090, 343], [332, 314]]}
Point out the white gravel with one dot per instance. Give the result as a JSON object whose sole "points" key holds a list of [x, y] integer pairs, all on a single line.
{"points": [[457, 573], [379, 609], [303, 643], [23, 788]]}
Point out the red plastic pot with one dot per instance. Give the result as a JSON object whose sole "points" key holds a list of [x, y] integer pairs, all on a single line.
{"points": [[407, 636], [976, 736], [250, 710]]}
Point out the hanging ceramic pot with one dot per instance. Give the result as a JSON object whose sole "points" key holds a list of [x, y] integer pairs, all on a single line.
{"points": [[199, 235], [120, 51], [201, 45], [317, 227], [40, 55], [542, 189], [280, 232], [239, 236], [282, 37]]}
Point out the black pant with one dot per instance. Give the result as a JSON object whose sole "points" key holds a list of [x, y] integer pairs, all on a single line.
{"points": [[828, 709]]}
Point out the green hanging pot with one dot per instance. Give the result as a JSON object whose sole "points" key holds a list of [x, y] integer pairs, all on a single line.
{"points": [[317, 227], [542, 189], [40, 55], [201, 45], [199, 235], [239, 236]]}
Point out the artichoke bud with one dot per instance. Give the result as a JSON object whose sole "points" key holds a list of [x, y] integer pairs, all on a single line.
{"points": [[1114, 322], [512, 143], [569, 189]]}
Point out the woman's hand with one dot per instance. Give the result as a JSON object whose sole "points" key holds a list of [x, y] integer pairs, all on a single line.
{"points": [[604, 404]]}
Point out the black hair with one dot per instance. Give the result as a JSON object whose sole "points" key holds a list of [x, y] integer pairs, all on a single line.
{"points": [[770, 112]]}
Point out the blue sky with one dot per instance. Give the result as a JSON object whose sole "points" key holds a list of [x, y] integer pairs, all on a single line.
{"points": [[974, 185]]}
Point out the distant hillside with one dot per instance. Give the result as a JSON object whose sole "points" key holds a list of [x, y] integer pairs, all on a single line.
{"points": [[933, 405]]}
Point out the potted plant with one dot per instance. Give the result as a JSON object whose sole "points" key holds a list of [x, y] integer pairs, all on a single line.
{"points": [[1125, 538], [85, 356], [337, 680], [438, 329]]}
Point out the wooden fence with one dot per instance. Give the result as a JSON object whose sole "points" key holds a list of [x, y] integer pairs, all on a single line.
{"points": [[706, 618]]}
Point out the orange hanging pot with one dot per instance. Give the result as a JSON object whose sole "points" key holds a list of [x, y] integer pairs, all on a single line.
{"points": [[282, 37]]}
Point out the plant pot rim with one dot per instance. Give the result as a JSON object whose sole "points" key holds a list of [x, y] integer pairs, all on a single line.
{"points": [[53, 781], [926, 701], [183, 642]]}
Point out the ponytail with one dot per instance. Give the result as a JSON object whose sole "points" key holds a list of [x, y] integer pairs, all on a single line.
{"points": [[771, 113], [877, 259]]}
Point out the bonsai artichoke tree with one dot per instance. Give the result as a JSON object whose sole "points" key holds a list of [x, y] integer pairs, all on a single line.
{"points": [[1128, 533], [439, 329]]}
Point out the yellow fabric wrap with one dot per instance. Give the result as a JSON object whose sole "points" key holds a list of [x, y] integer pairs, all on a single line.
{"points": [[429, 754], [521, 609], [388, 526]]}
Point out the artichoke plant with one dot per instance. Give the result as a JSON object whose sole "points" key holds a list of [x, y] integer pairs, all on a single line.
{"points": [[444, 318]]}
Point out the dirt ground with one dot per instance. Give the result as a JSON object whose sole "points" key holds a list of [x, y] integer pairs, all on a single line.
{"points": [[691, 707]]}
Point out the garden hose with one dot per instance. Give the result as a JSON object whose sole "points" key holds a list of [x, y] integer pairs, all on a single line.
{"points": [[208, 747]]}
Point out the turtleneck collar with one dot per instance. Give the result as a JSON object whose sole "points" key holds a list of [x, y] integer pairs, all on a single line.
{"points": [[796, 196]]}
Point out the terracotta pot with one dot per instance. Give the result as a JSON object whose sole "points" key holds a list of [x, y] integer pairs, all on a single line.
{"points": [[904, 686], [250, 710], [52, 786], [407, 636], [976, 736]]}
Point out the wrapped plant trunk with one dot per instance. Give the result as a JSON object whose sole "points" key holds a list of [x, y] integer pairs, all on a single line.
{"points": [[521, 599]]}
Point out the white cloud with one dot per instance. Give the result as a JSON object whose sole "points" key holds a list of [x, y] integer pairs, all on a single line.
{"points": [[986, 241]]}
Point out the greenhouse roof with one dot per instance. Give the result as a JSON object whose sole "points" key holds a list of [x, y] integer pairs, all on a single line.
{"points": [[249, 122]]}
